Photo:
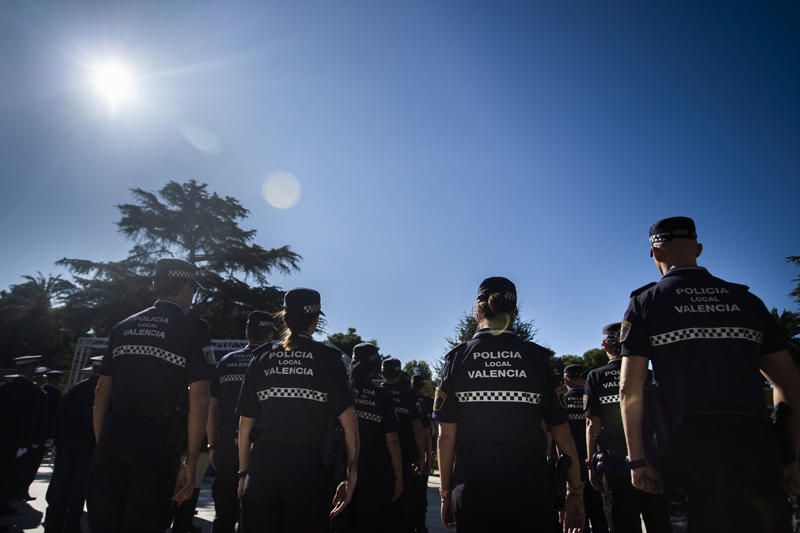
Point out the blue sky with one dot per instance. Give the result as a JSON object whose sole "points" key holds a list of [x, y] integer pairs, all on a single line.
{"points": [[436, 143]]}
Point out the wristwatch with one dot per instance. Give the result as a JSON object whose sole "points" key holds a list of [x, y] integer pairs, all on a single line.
{"points": [[633, 465], [444, 495], [241, 473]]}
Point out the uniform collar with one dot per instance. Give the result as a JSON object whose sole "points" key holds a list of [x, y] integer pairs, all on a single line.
{"points": [[495, 332], [684, 270], [617, 361], [166, 304]]}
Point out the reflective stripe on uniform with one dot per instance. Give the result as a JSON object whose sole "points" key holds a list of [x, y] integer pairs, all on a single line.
{"points": [[292, 392], [152, 351], [372, 417], [707, 333], [500, 396], [231, 377], [609, 399]]}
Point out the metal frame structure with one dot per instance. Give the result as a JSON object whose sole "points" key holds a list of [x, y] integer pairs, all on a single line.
{"points": [[87, 347]]}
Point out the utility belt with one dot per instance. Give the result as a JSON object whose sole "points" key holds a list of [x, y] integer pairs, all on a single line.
{"points": [[170, 422], [726, 410], [610, 458], [525, 453]]}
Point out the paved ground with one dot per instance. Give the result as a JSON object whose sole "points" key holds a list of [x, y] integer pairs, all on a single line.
{"points": [[30, 514]]}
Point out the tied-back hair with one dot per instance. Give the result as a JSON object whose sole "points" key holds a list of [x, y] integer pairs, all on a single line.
{"points": [[294, 325], [497, 304]]}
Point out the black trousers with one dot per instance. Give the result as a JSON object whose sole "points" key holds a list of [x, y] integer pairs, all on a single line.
{"points": [[502, 493], [132, 478], [401, 511], [226, 481], [625, 506], [722, 473], [420, 503], [66, 493], [285, 490], [595, 513], [27, 468], [368, 511], [8, 452]]}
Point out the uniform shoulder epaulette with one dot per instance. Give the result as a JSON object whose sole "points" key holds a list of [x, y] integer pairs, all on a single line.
{"points": [[739, 286], [643, 288], [452, 353]]}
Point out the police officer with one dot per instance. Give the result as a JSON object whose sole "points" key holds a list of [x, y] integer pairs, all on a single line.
{"points": [[154, 378], [625, 506], [412, 443], [707, 340], [425, 408], [290, 392], [496, 390], [379, 462], [75, 442], [574, 378], [21, 401], [223, 424], [28, 464]]}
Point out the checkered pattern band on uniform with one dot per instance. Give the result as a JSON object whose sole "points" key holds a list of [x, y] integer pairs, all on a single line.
{"points": [[231, 377], [372, 417], [292, 392], [609, 399], [576, 416], [728, 332], [152, 351], [511, 396]]}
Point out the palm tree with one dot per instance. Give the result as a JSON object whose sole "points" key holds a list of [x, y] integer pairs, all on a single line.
{"points": [[790, 324]]}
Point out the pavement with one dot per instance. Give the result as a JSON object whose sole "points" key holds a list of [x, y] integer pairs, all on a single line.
{"points": [[30, 514]]}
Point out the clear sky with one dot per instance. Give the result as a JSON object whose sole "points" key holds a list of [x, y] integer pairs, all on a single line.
{"points": [[436, 143]]}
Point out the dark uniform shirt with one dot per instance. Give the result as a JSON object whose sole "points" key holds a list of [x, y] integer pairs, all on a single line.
{"points": [[405, 406], [23, 406], [292, 394], [227, 384], [75, 430], [52, 403], [601, 397], [376, 417], [152, 358], [499, 388], [704, 337], [425, 409], [577, 419]]}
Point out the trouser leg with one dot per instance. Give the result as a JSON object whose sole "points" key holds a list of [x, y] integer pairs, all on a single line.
{"points": [[621, 503], [593, 504], [223, 489]]}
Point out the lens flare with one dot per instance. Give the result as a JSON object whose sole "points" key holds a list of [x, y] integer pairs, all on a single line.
{"points": [[281, 189]]}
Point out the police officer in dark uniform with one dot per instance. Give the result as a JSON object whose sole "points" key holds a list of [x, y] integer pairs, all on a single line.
{"points": [[223, 424], [20, 401], [574, 378], [75, 442], [425, 408], [625, 506], [28, 464], [154, 378], [412, 443], [496, 390], [379, 463], [707, 340], [289, 394]]}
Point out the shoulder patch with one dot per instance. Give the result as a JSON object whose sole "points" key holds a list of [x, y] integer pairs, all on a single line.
{"points": [[643, 288], [624, 330], [438, 402], [208, 353]]}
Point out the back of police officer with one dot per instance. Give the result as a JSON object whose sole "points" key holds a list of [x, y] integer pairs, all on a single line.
{"points": [[496, 391], [290, 393], [625, 506], [574, 379], [224, 424], [707, 340], [425, 409], [380, 478], [154, 380]]}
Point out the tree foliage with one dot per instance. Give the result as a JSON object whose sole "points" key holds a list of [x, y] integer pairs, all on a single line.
{"points": [[181, 220], [347, 341], [594, 358]]}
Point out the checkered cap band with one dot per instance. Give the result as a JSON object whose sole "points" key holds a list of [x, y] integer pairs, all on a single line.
{"points": [[372, 417], [500, 396], [576, 416], [292, 392], [707, 333], [231, 377], [309, 309], [614, 398], [152, 351], [183, 274], [660, 237]]}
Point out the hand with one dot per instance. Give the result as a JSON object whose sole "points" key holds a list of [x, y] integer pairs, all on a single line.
{"points": [[647, 479], [240, 488], [344, 493], [791, 479], [448, 520], [573, 515], [21, 452], [212, 457], [398, 489], [184, 484], [596, 480]]}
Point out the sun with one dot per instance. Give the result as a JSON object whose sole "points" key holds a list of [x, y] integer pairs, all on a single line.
{"points": [[114, 82]]}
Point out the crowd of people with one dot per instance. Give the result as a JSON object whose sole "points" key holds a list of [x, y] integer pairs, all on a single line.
{"points": [[673, 431]]}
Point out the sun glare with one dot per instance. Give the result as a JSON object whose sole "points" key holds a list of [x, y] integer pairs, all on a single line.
{"points": [[114, 82]]}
